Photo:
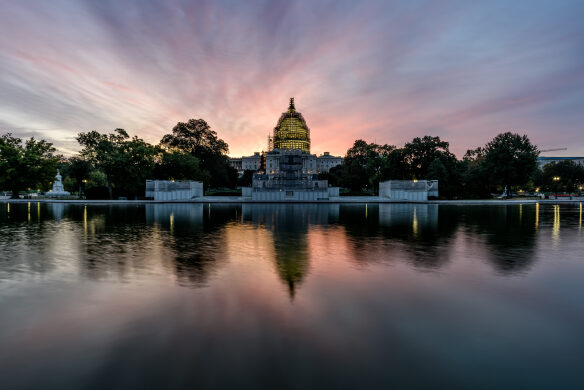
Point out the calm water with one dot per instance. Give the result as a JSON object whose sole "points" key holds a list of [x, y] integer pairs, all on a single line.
{"points": [[291, 296]]}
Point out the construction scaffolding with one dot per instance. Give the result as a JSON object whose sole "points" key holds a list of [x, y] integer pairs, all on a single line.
{"points": [[291, 132]]}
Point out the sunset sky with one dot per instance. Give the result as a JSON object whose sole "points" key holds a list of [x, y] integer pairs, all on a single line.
{"points": [[384, 71]]}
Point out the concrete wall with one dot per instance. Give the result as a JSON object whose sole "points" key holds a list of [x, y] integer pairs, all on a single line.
{"points": [[289, 195], [408, 195], [408, 189], [246, 192], [173, 190], [333, 192]]}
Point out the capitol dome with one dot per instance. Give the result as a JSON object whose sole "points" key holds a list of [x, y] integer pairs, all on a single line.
{"points": [[291, 132]]}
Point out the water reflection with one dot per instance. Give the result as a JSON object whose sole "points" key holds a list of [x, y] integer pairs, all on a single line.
{"points": [[190, 240], [508, 232], [420, 233], [556, 227], [193, 237], [253, 296], [289, 225]]}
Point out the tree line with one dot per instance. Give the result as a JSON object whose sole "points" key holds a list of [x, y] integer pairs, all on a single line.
{"points": [[508, 161], [114, 164]]}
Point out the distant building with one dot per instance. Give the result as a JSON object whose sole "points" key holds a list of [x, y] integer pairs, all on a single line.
{"points": [[173, 190], [236, 162], [541, 161], [291, 133], [325, 162], [290, 171]]}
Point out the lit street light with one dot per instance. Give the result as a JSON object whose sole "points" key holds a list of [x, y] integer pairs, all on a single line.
{"points": [[557, 181]]}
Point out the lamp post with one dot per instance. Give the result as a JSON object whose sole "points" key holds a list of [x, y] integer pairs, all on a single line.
{"points": [[557, 183], [82, 193]]}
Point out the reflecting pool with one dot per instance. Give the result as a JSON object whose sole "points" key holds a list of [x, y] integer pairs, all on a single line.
{"points": [[281, 296]]}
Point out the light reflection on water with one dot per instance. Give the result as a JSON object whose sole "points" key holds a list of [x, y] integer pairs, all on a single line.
{"points": [[291, 295]]}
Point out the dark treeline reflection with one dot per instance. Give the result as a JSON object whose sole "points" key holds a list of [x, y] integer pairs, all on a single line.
{"points": [[509, 232], [420, 231], [117, 239], [425, 231], [193, 233]]}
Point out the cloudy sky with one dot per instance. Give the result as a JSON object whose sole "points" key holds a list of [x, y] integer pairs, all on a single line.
{"points": [[383, 71]]}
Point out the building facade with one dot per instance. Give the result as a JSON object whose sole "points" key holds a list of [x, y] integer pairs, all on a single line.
{"points": [[290, 134], [289, 172], [325, 162]]}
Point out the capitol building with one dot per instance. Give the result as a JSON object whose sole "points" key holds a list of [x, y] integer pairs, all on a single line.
{"points": [[291, 136], [288, 171]]}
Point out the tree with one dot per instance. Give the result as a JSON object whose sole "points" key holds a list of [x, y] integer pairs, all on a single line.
{"points": [[33, 164], [430, 158], [362, 165], [77, 169], [565, 176], [139, 163], [510, 160], [394, 166], [422, 152], [96, 186], [437, 171], [126, 163], [196, 137], [178, 165], [474, 177], [104, 151]]}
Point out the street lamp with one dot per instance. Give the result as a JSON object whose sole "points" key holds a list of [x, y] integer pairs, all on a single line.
{"points": [[82, 193], [556, 180]]}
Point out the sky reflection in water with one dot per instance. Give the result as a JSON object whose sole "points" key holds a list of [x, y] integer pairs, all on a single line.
{"points": [[290, 296]]}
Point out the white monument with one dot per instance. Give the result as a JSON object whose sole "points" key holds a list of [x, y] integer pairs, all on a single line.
{"points": [[58, 189]]}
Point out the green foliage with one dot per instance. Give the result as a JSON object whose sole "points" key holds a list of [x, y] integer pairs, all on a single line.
{"points": [[126, 163], [509, 160], [196, 138], [437, 171], [429, 158], [96, 179], [365, 165], [70, 184], [77, 170], [96, 186], [178, 165], [29, 165], [362, 166], [569, 177], [422, 152], [395, 167]]}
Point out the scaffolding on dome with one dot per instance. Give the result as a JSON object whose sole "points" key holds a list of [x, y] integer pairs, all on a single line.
{"points": [[291, 132]]}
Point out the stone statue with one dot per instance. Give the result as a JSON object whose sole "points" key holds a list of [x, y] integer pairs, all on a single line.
{"points": [[58, 189]]}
